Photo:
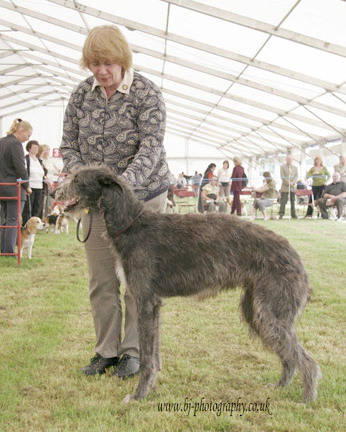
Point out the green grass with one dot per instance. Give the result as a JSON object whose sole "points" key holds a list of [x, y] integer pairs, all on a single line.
{"points": [[47, 335]]}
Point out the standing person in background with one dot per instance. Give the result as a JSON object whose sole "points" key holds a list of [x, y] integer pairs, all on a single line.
{"points": [[196, 182], [289, 177], [224, 177], [52, 173], [115, 117], [320, 176], [208, 174], [37, 174], [237, 185], [341, 168], [12, 167]]}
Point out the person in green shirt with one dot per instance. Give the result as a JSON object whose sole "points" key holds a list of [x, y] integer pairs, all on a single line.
{"points": [[320, 175]]}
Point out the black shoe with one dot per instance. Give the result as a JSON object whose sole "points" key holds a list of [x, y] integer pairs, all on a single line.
{"points": [[98, 365], [128, 366]]}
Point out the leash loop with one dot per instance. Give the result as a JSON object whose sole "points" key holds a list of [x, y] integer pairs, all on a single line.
{"points": [[89, 230]]}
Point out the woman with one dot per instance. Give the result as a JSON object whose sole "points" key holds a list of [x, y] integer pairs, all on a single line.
{"points": [[320, 176], [37, 173], [208, 174], [52, 173], [115, 117], [237, 185], [211, 198], [224, 180], [12, 167], [267, 198]]}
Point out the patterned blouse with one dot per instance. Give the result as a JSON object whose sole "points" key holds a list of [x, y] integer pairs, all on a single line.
{"points": [[124, 132]]}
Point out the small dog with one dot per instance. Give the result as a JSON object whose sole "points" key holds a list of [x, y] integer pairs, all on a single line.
{"points": [[166, 255], [50, 221], [28, 233], [61, 224], [57, 209]]}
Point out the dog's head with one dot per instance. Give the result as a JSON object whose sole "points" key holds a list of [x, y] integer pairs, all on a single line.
{"points": [[34, 224], [89, 187]]}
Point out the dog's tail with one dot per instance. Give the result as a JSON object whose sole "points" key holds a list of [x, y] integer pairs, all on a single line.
{"points": [[273, 322]]}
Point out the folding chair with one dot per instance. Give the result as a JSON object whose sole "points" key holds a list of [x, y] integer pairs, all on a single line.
{"points": [[303, 197], [185, 199]]}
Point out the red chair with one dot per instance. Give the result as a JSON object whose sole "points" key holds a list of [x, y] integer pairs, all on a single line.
{"points": [[303, 197]]}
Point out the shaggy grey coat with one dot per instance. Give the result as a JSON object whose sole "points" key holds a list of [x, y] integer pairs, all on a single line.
{"points": [[165, 255]]}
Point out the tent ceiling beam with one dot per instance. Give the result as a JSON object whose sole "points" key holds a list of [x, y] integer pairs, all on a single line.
{"points": [[195, 44], [260, 26]]}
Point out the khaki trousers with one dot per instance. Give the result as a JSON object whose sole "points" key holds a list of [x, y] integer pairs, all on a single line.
{"points": [[104, 290]]}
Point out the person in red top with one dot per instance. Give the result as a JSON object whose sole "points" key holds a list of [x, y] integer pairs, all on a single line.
{"points": [[237, 185], [208, 174]]}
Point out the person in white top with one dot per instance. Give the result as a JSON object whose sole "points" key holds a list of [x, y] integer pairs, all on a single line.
{"points": [[36, 173], [52, 176], [224, 176]]}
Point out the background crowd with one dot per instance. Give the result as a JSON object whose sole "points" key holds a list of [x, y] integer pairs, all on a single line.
{"points": [[229, 184]]}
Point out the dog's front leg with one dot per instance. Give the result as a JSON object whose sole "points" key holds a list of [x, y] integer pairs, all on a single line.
{"points": [[157, 356], [30, 250], [148, 327]]}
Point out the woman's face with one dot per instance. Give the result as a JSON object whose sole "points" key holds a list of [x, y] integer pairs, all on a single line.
{"points": [[45, 154], [23, 134], [33, 150], [107, 74], [318, 162]]}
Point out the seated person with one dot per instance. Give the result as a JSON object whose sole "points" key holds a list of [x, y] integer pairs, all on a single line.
{"points": [[267, 198], [334, 196], [210, 197]]}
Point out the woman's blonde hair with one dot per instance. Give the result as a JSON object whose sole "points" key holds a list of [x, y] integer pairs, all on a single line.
{"points": [[106, 44], [237, 160], [42, 148], [19, 124], [318, 158]]}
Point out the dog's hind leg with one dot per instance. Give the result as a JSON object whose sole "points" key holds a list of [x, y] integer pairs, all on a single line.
{"points": [[279, 336], [249, 315], [276, 330], [148, 326]]}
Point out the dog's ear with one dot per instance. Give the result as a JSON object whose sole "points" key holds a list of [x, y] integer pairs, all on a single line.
{"points": [[30, 226], [109, 180], [106, 180]]}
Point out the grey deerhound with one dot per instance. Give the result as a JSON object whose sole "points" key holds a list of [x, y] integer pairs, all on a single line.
{"points": [[166, 255]]}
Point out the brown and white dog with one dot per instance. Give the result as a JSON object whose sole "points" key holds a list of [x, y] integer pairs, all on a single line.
{"points": [[50, 221], [61, 224], [28, 233]]}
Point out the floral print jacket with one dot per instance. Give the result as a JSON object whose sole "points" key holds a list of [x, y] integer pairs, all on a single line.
{"points": [[124, 132]]}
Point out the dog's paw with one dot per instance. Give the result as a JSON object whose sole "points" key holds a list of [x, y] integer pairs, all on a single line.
{"points": [[128, 399]]}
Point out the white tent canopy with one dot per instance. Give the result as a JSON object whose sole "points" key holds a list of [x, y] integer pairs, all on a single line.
{"points": [[252, 78]]}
